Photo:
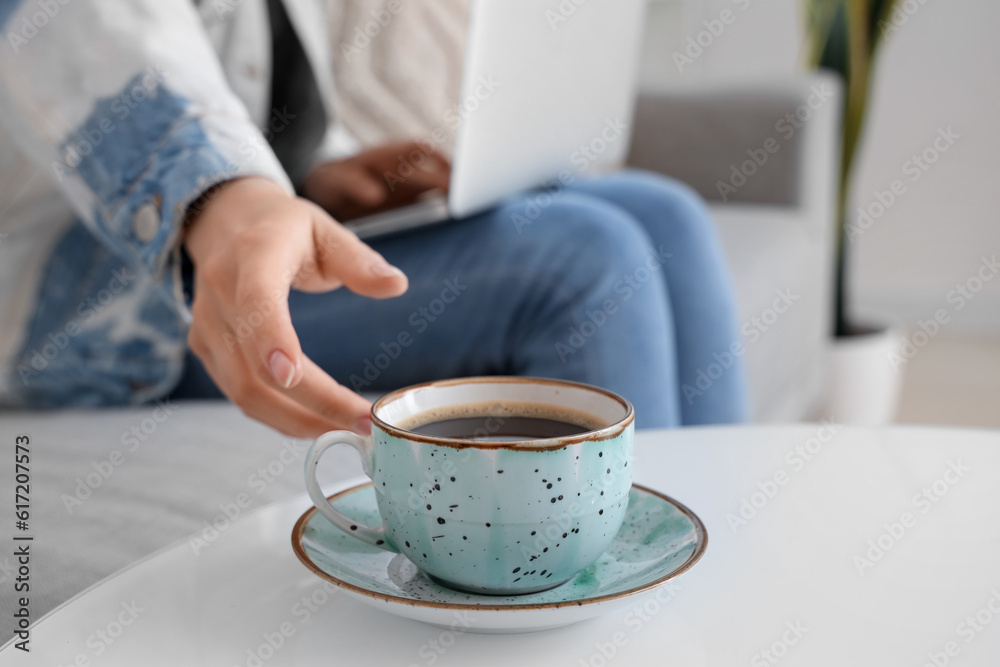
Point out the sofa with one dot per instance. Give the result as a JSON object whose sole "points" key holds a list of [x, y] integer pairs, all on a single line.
{"points": [[764, 156]]}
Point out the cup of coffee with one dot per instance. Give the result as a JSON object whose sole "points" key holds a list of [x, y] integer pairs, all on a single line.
{"points": [[494, 485]]}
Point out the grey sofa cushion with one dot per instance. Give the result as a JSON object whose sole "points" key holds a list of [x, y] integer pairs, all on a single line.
{"points": [[177, 470], [700, 138], [777, 227]]}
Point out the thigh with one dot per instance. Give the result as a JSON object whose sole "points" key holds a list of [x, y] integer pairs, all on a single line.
{"points": [[479, 288], [483, 292], [516, 290]]}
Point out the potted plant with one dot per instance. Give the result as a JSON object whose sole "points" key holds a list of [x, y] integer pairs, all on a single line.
{"points": [[844, 36]]}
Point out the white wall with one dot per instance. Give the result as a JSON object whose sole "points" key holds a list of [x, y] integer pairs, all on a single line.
{"points": [[940, 69]]}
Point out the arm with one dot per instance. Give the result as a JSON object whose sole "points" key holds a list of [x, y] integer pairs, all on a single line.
{"points": [[126, 106]]}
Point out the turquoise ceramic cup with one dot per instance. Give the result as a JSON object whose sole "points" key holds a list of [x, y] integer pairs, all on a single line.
{"points": [[492, 517]]}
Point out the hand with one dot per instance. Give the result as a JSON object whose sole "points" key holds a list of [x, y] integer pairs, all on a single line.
{"points": [[250, 243], [377, 180]]}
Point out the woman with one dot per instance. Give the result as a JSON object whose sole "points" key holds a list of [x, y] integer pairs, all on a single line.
{"points": [[138, 136]]}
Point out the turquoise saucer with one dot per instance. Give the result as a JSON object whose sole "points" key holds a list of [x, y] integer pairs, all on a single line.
{"points": [[659, 540]]}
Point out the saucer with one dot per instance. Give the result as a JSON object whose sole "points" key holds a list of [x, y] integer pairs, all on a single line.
{"points": [[659, 540]]}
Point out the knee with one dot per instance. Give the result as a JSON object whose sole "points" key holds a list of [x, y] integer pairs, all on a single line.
{"points": [[656, 186], [664, 198], [594, 233]]}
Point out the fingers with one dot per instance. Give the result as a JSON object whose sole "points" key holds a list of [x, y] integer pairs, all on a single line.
{"points": [[252, 244], [361, 186], [284, 414], [317, 405], [437, 170], [342, 257], [422, 180], [414, 166], [265, 275], [258, 334], [378, 179], [272, 405], [323, 396]]}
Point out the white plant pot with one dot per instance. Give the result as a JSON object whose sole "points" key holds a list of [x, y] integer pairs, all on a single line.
{"points": [[863, 385]]}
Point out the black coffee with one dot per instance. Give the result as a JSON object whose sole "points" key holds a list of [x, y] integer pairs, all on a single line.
{"points": [[493, 428], [502, 421]]}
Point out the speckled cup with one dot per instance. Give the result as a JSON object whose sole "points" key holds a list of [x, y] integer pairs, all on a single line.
{"points": [[500, 518]]}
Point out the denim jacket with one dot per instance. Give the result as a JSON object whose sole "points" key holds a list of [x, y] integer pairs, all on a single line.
{"points": [[114, 117]]}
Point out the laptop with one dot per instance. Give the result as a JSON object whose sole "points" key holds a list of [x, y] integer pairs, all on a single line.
{"points": [[548, 87]]}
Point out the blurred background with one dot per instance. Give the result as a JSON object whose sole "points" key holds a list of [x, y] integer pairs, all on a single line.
{"points": [[937, 68], [717, 79]]}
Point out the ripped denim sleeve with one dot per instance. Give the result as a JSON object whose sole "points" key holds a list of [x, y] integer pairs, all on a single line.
{"points": [[109, 323]]}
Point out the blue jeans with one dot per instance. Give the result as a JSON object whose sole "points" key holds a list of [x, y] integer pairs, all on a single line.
{"points": [[617, 281]]}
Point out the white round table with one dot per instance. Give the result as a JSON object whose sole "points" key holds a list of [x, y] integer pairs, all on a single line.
{"points": [[828, 545]]}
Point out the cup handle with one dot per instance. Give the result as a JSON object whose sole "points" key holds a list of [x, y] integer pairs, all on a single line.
{"points": [[364, 446]]}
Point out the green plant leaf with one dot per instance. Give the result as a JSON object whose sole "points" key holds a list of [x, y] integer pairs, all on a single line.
{"points": [[844, 36]]}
